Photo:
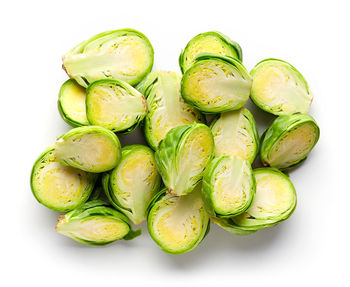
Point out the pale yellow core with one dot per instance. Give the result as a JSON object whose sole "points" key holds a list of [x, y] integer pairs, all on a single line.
{"points": [[292, 147], [215, 83], [278, 88], [171, 110], [60, 185], [73, 102], [136, 176], [233, 135], [95, 228], [112, 106], [178, 222], [273, 196], [93, 151], [207, 44], [232, 185], [193, 158]]}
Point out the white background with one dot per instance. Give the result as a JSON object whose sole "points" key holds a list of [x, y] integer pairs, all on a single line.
{"points": [[310, 249]]}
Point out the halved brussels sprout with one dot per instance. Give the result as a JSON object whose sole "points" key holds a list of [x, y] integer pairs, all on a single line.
{"points": [[133, 183], [115, 105], [71, 104], [90, 148], [209, 42], [177, 223], [166, 107], [230, 226], [59, 187], [235, 133], [124, 54], [289, 140], [216, 84], [274, 201], [95, 223], [279, 88], [182, 157], [228, 186]]}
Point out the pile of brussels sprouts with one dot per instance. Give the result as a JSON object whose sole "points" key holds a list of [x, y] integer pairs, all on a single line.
{"points": [[193, 171]]}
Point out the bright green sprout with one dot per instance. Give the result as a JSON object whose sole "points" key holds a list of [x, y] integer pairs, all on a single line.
{"points": [[182, 157], [209, 42], [124, 54], [288, 141], [115, 105], [166, 107], [133, 183], [90, 148], [71, 104], [216, 84], [228, 186], [95, 223], [274, 201], [279, 88], [58, 187], [177, 223], [235, 133]]}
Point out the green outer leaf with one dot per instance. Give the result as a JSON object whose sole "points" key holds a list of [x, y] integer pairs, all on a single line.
{"points": [[61, 110], [111, 189], [279, 128], [127, 88], [161, 196], [168, 154], [230, 226], [297, 74], [206, 57], [80, 131], [96, 193], [247, 114], [234, 46], [98, 208], [208, 188], [34, 191], [155, 88], [270, 221], [79, 49]]}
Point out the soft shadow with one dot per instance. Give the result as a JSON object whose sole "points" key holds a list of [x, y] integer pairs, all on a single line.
{"points": [[220, 243], [136, 137]]}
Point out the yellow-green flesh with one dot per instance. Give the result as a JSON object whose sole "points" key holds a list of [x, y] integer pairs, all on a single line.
{"points": [[115, 108], [293, 146], [233, 136], [73, 102], [97, 229], [134, 184], [277, 87], [206, 44]]}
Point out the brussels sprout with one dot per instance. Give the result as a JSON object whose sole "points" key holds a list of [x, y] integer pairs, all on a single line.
{"points": [[289, 140], [235, 133], [216, 84], [115, 105], [59, 187], [96, 193], [95, 223], [209, 42], [182, 157], [90, 148], [167, 109], [124, 54], [274, 201], [133, 183], [278, 88], [71, 104], [228, 186], [177, 223]]}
